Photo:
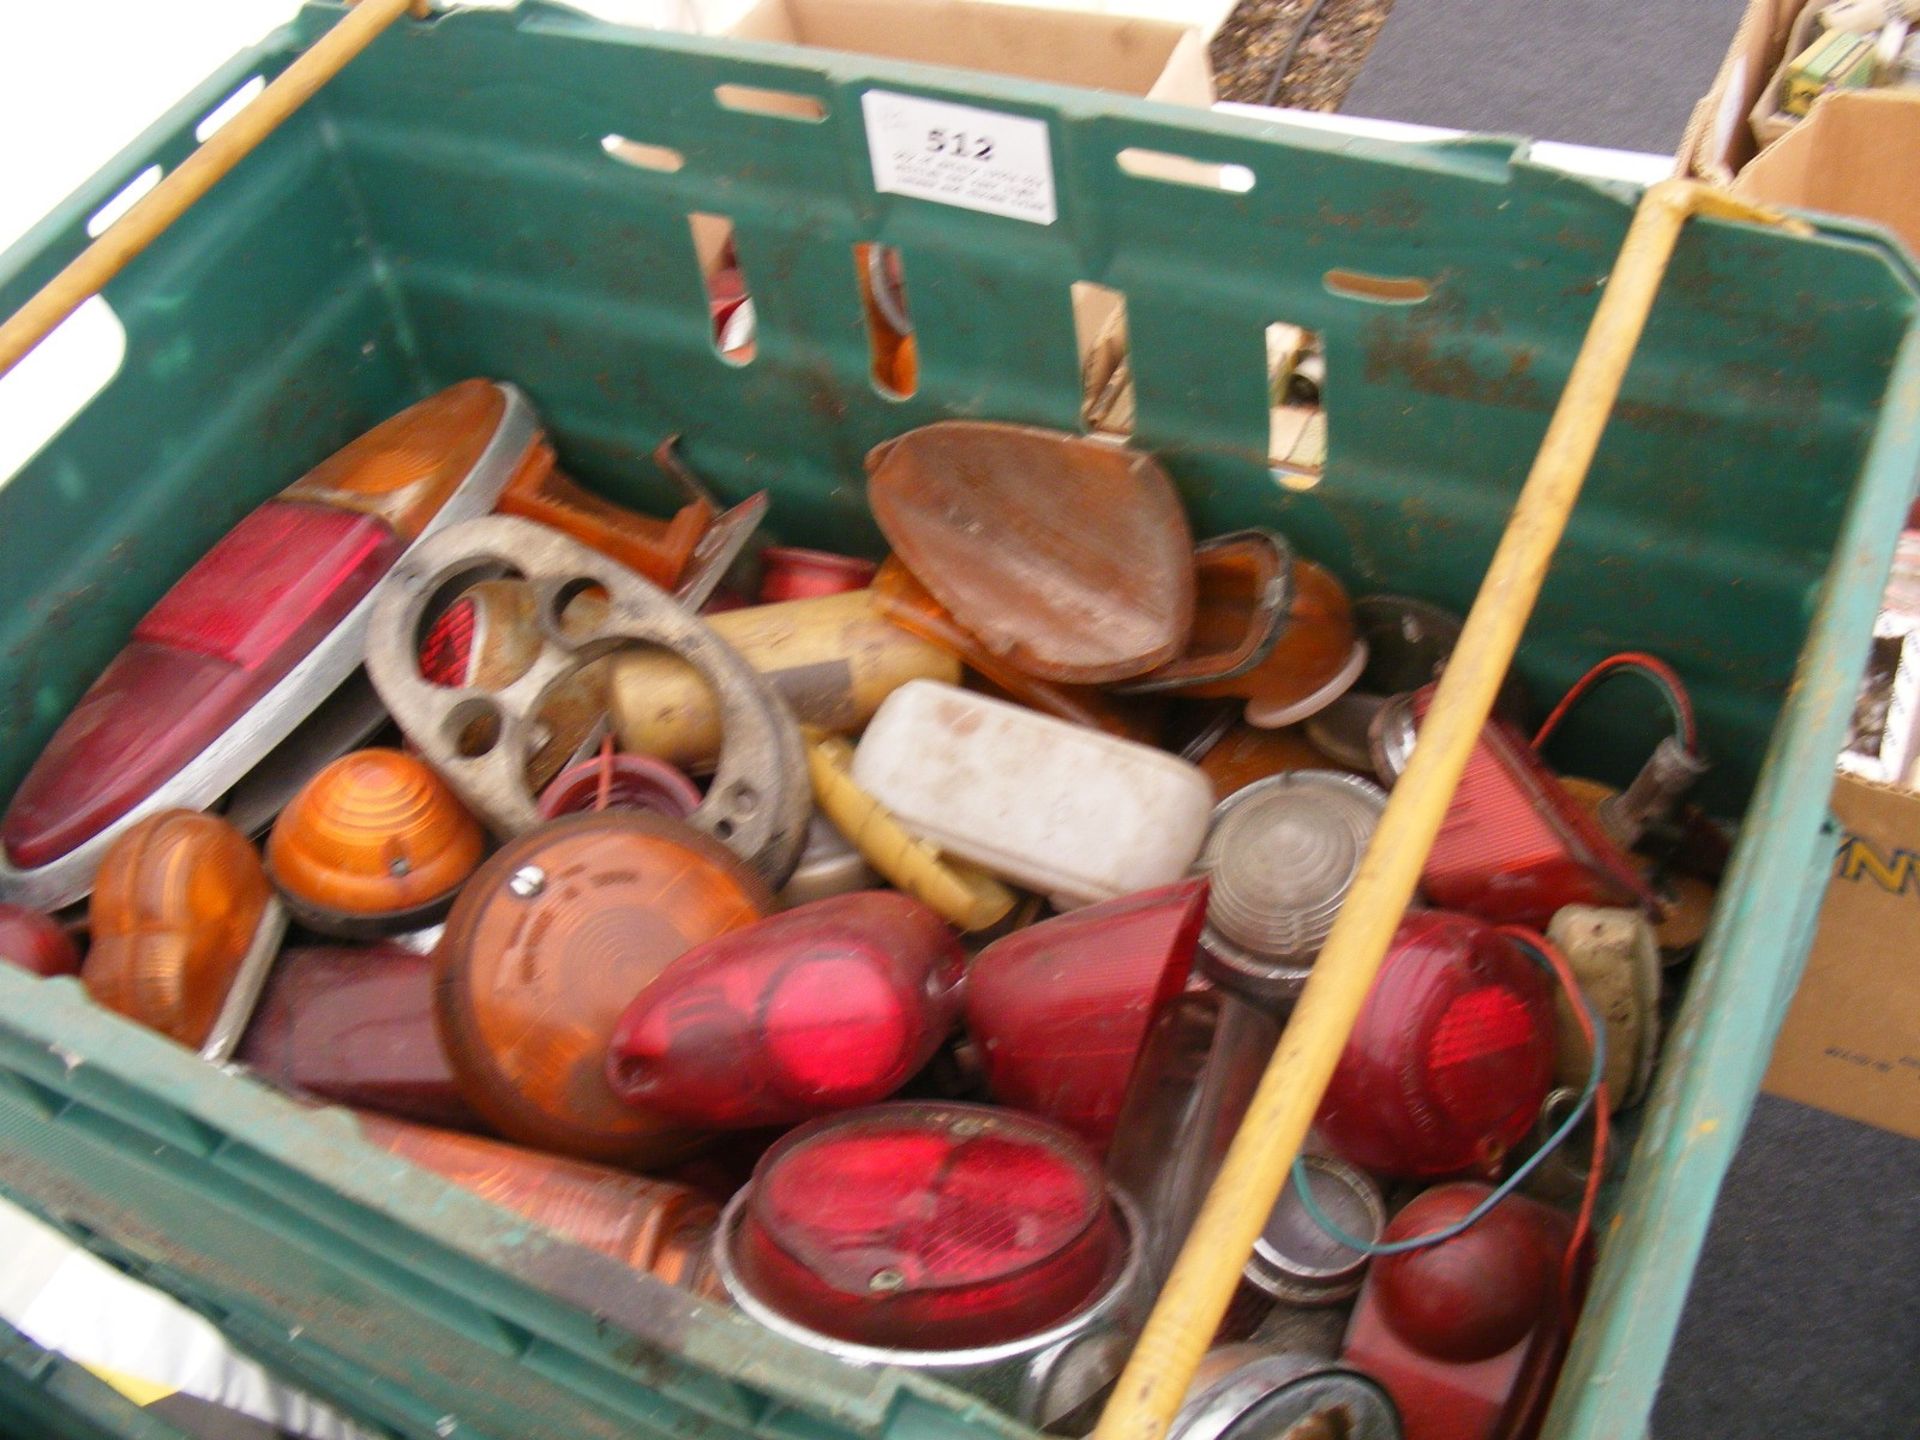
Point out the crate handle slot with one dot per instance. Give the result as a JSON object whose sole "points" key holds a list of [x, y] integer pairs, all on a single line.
{"points": [[757, 100], [227, 109], [641, 155], [44, 395], [114, 249], [130, 195], [1381, 289], [1171, 169], [1194, 1299]]}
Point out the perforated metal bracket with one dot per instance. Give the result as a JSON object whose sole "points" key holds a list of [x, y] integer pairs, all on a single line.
{"points": [[480, 739]]}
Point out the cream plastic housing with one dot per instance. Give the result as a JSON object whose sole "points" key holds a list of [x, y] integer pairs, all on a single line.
{"points": [[1073, 813]]}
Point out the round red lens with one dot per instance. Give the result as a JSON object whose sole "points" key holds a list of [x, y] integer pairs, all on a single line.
{"points": [[928, 1227], [1451, 1057], [36, 943]]}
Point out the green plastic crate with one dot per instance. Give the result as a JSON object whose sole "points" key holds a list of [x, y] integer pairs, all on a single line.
{"points": [[448, 208]]}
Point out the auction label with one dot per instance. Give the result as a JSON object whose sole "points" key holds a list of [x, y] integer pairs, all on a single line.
{"points": [[957, 155]]}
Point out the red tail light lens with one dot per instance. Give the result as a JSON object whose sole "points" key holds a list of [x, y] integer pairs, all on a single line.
{"points": [[791, 573], [36, 943], [1451, 1056], [1465, 1335], [928, 1227], [238, 622], [830, 1006], [652, 1225], [631, 782], [1060, 1009], [232, 627], [1515, 846], [355, 1026], [549, 942]]}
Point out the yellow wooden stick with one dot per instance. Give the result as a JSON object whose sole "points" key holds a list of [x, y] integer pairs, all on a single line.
{"points": [[89, 271], [959, 894], [1204, 1277]]}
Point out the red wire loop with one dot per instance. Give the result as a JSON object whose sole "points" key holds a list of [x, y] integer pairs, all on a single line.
{"points": [[1662, 672]]}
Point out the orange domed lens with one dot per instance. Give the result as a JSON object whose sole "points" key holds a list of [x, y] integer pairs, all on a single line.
{"points": [[175, 909], [404, 468], [375, 841], [551, 940]]}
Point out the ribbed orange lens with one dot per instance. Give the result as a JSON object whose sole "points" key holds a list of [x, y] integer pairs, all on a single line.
{"points": [[174, 911], [404, 468], [374, 838], [651, 1225], [548, 943]]}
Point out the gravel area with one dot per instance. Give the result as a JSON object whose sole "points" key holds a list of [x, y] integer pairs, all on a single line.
{"points": [[1256, 35]]}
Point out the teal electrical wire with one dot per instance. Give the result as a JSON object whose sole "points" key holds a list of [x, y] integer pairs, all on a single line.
{"points": [[1304, 1188]]}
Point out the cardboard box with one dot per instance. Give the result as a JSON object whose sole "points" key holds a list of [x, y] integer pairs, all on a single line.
{"points": [[1852, 156], [1851, 1041], [1719, 138], [1126, 54]]}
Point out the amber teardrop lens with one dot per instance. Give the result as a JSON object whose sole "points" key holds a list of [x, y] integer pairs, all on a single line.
{"points": [[174, 911]]}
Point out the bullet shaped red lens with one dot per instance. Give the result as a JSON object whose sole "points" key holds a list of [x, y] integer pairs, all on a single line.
{"points": [[1451, 1056], [1059, 1010], [823, 1008], [928, 1227]]}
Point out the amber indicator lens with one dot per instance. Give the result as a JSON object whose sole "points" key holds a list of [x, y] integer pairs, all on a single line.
{"points": [[175, 908], [1315, 660], [375, 841], [549, 942], [830, 1006], [652, 1225], [1069, 557], [403, 469], [928, 1227]]}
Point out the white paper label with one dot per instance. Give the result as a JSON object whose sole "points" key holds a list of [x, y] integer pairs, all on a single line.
{"points": [[957, 155]]}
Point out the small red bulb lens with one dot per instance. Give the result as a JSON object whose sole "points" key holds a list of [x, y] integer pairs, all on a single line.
{"points": [[1451, 1056], [825, 1007], [928, 1227], [36, 943]]}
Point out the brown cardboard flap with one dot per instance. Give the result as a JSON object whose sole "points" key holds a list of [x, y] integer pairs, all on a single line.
{"points": [[1851, 1041], [1103, 52], [1852, 155], [1718, 140]]}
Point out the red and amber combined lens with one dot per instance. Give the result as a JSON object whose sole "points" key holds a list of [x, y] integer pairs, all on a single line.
{"points": [[548, 943], [928, 1227], [375, 841], [241, 619], [826, 1007], [1451, 1056], [174, 911]]}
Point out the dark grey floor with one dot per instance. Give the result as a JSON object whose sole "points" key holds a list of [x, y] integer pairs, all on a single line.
{"points": [[1804, 1318], [1805, 1312], [1620, 73]]}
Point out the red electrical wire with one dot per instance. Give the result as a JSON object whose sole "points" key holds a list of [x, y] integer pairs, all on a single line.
{"points": [[1583, 1221], [1652, 665]]}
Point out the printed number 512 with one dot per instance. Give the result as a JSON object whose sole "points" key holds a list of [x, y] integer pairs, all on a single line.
{"points": [[960, 143]]}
